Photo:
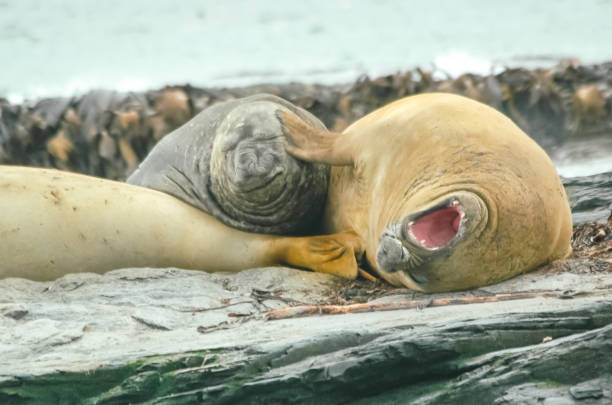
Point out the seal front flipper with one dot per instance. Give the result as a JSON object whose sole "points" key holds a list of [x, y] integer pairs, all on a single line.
{"points": [[332, 254], [315, 145]]}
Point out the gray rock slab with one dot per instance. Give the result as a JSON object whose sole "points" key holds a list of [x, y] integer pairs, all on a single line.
{"points": [[126, 327]]}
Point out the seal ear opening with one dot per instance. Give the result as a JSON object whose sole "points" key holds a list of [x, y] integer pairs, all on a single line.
{"points": [[437, 228]]}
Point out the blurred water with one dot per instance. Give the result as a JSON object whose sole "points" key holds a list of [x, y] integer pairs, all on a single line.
{"points": [[63, 47], [584, 157]]}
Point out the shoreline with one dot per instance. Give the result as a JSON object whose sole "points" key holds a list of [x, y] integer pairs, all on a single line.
{"points": [[107, 133]]}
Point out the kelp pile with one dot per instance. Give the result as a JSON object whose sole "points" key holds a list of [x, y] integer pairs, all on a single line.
{"points": [[107, 133]]}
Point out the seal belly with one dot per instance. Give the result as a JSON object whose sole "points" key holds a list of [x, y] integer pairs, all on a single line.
{"points": [[55, 222]]}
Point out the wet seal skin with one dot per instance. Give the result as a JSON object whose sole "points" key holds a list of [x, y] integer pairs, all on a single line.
{"points": [[444, 192]]}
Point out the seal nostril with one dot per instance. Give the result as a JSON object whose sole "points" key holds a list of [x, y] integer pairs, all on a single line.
{"points": [[391, 255]]}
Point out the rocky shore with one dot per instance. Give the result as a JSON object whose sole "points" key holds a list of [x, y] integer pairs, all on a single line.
{"points": [[277, 335]]}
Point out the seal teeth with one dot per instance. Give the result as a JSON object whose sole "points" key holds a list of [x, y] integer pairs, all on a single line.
{"points": [[462, 215], [410, 223], [455, 202]]}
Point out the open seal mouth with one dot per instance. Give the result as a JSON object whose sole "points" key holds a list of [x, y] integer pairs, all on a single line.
{"points": [[437, 227], [408, 244], [409, 249]]}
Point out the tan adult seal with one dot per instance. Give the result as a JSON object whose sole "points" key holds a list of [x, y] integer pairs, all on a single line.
{"points": [[442, 192], [446, 193], [56, 222]]}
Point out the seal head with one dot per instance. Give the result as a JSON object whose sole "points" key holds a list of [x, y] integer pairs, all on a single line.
{"points": [[414, 249], [231, 162], [252, 176], [445, 192]]}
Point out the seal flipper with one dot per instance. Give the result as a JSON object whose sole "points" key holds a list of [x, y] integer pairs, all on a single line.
{"points": [[315, 145], [335, 254]]}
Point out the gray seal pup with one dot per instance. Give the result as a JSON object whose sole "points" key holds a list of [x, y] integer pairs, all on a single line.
{"points": [[230, 162]]}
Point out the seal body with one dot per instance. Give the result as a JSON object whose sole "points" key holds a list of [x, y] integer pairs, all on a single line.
{"points": [[445, 193], [55, 222]]}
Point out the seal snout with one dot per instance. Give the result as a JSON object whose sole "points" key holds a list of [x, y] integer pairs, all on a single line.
{"points": [[408, 247], [391, 255]]}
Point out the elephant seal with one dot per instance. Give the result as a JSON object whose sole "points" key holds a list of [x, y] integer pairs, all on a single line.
{"points": [[444, 192], [230, 162]]}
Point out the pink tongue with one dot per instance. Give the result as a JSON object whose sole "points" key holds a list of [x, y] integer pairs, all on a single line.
{"points": [[437, 228]]}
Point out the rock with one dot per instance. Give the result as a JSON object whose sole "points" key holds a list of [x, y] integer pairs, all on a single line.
{"points": [[590, 197], [175, 336], [588, 389]]}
